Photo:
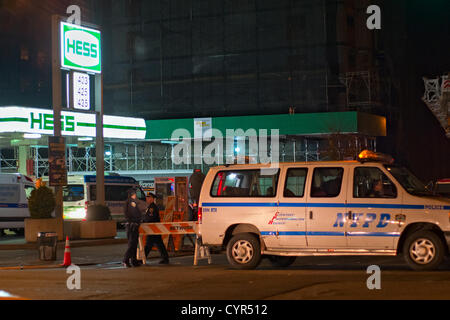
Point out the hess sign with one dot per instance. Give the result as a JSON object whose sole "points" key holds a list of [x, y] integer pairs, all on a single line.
{"points": [[80, 48]]}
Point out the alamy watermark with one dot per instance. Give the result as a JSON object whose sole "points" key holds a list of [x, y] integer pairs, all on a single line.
{"points": [[374, 281], [74, 281], [374, 21], [263, 147]]}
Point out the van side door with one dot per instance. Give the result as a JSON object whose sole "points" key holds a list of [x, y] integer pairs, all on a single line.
{"points": [[290, 216], [326, 207]]}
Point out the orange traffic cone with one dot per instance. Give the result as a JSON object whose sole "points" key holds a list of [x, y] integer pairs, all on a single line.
{"points": [[67, 259]]}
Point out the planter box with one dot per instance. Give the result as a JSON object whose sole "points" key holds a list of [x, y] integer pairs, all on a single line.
{"points": [[72, 229], [34, 226], [98, 229]]}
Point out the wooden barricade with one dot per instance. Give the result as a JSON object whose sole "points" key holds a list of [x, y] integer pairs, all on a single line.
{"points": [[170, 229]]}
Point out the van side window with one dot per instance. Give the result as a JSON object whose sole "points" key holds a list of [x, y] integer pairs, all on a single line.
{"points": [[326, 182], [112, 192], [370, 182], [9, 193], [245, 183], [295, 183]]}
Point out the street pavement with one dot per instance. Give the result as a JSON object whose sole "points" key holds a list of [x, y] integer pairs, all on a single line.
{"points": [[103, 278]]}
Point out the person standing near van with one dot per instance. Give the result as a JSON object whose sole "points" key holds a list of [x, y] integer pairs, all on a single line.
{"points": [[152, 216], [134, 209]]}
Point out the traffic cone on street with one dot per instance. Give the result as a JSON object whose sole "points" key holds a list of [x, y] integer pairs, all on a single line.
{"points": [[67, 259]]}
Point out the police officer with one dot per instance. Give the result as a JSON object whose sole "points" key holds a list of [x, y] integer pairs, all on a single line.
{"points": [[152, 216], [134, 213]]}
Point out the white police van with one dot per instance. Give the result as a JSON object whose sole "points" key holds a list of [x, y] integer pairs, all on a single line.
{"points": [[15, 189], [365, 207], [81, 192]]}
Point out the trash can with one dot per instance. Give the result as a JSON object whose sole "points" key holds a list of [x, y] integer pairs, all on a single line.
{"points": [[47, 242]]}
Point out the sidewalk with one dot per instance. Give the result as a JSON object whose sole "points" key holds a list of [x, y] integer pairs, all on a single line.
{"points": [[18, 254], [19, 243]]}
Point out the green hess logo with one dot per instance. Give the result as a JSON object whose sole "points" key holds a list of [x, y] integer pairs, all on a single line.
{"points": [[80, 48]]}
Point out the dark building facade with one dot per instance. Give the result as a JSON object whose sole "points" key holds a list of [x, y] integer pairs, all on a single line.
{"points": [[172, 59], [25, 55], [188, 58]]}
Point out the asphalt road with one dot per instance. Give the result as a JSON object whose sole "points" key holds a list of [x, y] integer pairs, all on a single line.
{"points": [[307, 278]]}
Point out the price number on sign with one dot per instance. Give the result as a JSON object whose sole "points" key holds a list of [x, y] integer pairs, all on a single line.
{"points": [[81, 91]]}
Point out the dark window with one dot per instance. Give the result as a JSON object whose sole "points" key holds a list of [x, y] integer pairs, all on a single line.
{"points": [[113, 192], [326, 182], [245, 183], [369, 182], [295, 183], [351, 21]]}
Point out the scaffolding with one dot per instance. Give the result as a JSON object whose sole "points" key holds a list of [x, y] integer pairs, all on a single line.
{"points": [[437, 98], [366, 91], [149, 156]]}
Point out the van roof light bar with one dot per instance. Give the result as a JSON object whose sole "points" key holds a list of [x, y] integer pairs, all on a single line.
{"points": [[367, 155]]}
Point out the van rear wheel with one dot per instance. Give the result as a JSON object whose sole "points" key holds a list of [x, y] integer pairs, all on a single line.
{"points": [[281, 261], [243, 251]]}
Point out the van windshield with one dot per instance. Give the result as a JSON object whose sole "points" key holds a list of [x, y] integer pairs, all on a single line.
{"points": [[410, 182], [73, 192]]}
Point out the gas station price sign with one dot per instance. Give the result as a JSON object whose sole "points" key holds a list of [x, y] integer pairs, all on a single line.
{"points": [[81, 91]]}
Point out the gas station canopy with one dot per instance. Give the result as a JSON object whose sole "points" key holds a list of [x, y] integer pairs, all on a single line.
{"points": [[75, 124], [23, 120]]}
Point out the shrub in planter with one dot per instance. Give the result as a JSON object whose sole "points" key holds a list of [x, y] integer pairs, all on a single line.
{"points": [[98, 212], [41, 203]]}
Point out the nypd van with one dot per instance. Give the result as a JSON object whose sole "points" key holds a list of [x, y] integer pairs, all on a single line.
{"points": [[81, 192], [365, 207], [15, 189]]}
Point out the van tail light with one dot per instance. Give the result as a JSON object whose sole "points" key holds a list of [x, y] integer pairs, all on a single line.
{"points": [[200, 215]]}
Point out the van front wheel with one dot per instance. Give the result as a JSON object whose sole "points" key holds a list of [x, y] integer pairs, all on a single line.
{"points": [[243, 251], [423, 250]]}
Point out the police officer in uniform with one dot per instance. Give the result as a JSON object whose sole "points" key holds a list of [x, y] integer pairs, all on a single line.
{"points": [[152, 216], [133, 213]]}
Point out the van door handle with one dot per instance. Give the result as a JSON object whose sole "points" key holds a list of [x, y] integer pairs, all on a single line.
{"points": [[310, 215]]}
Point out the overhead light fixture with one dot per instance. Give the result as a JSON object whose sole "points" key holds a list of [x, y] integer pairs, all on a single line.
{"points": [[32, 136], [170, 142], [85, 139]]}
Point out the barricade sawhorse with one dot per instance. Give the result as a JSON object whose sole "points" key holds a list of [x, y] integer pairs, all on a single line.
{"points": [[172, 228]]}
